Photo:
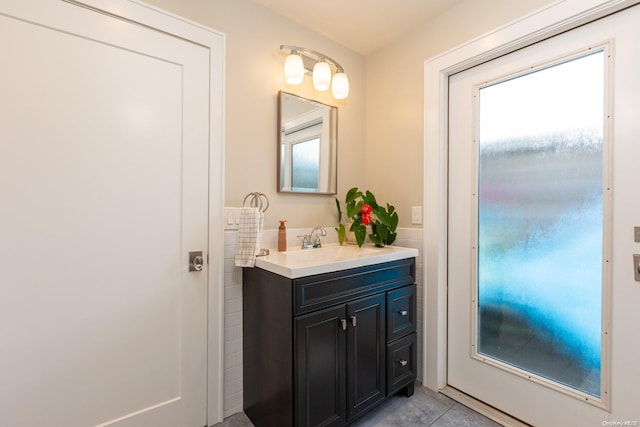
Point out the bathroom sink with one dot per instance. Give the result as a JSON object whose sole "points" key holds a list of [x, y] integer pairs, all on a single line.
{"points": [[330, 257], [332, 253]]}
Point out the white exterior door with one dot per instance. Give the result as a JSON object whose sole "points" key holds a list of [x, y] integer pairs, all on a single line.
{"points": [[104, 141], [532, 393]]}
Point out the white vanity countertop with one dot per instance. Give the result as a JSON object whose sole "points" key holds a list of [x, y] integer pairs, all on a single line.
{"points": [[331, 257]]}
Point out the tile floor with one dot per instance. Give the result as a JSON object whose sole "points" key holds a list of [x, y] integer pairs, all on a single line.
{"points": [[424, 408]]}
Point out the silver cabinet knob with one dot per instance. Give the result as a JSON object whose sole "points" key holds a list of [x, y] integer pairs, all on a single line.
{"points": [[402, 362], [403, 312]]}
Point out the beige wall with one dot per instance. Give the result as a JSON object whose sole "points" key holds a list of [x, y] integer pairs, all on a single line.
{"points": [[380, 124], [388, 86], [253, 79], [395, 95]]}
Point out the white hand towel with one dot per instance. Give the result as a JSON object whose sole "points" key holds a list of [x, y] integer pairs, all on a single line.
{"points": [[249, 232]]}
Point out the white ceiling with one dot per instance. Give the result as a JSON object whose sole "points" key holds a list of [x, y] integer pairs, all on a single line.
{"points": [[363, 26]]}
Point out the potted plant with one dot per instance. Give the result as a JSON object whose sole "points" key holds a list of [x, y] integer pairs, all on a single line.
{"points": [[363, 211]]}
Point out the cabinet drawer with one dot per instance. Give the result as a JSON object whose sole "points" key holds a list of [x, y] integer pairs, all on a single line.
{"points": [[401, 363], [401, 312], [324, 290]]}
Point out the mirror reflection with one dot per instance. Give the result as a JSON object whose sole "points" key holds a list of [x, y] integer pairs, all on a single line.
{"points": [[307, 142]]}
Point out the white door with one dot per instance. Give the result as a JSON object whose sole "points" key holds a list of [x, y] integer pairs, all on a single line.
{"points": [[104, 191], [541, 186]]}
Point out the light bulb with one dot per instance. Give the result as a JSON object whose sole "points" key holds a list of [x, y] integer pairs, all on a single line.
{"points": [[321, 76], [340, 85], [293, 69]]}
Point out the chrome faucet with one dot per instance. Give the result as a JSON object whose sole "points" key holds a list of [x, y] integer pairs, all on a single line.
{"points": [[311, 242]]}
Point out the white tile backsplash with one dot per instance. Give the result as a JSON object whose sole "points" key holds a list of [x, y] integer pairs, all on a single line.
{"points": [[408, 237]]}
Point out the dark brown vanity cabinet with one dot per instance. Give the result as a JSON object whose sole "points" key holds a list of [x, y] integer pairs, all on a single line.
{"points": [[324, 349], [340, 352]]}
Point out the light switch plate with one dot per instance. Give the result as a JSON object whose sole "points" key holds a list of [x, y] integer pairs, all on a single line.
{"points": [[636, 234], [416, 214], [231, 218]]}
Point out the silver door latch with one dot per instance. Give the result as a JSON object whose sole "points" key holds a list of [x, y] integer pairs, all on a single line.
{"points": [[196, 262]]}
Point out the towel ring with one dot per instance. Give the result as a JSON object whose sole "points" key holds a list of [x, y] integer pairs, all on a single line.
{"points": [[256, 200]]}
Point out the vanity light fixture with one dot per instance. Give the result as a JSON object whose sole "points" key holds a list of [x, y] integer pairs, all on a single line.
{"points": [[302, 60]]}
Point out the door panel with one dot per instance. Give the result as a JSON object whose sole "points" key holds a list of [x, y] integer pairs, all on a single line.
{"points": [[103, 176], [481, 372], [366, 358], [321, 368]]}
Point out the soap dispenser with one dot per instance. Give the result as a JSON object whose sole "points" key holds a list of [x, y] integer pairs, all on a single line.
{"points": [[282, 236]]}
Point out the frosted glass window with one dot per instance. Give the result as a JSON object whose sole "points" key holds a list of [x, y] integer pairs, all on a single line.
{"points": [[540, 222], [305, 165]]}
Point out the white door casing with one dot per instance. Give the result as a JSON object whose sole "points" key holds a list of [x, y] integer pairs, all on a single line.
{"points": [[109, 129], [547, 22]]}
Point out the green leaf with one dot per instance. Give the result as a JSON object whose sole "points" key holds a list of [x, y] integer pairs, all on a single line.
{"points": [[354, 209], [383, 232], [352, 195], [360, 232], [339, 211], [370, 199], [342, 232], [383, 216], [390, 208], [393, 223], [391, 238], [376, 240]]}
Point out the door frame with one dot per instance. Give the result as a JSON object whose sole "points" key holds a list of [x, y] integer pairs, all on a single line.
{"points": [[546, 22], [139, 12]]}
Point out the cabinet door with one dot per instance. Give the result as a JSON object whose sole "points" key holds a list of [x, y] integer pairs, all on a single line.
{"points": [[366, 355], [320, 368]]}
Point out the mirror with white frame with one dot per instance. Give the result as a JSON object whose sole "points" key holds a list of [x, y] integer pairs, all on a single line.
{"points": [[307, 145]]}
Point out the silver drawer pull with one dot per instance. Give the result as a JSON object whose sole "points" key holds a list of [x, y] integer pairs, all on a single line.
{"points": [[343, 324], [403, 312], [353, 321], [402, 362]]}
